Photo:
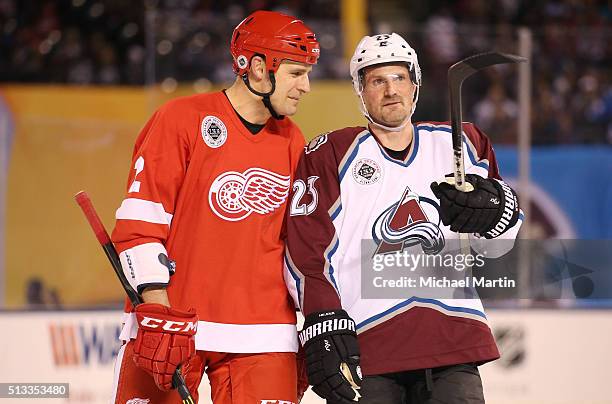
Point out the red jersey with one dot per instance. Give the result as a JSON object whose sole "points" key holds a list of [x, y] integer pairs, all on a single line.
{"points": [[213, 195]]}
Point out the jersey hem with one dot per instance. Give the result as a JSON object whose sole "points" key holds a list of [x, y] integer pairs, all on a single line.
{"points": [[478, 355], [232, 338]]}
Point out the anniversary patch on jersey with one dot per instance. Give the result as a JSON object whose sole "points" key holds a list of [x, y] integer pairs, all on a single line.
{"points": [[366, 171], [315, 143], [214, 131], [233, 196]]}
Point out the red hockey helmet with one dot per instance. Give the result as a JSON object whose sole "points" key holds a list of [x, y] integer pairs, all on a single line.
{"points": [[274, 35]]}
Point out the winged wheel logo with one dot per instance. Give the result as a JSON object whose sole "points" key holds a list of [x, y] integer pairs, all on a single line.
{"points": [[234, 196]]}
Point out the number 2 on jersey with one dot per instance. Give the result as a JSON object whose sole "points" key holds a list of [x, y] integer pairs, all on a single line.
{"points": [[138, 166]]}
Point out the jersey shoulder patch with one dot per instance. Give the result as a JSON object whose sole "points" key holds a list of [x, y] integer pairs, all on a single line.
{"points": [[332, 145], [315, 143]]}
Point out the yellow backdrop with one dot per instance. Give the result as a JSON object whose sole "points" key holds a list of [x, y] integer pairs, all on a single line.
{"points": [[67, 139]]}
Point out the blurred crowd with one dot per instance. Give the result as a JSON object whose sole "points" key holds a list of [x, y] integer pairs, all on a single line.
{"points": [[111, 42], [571, 64], [71, 41]]}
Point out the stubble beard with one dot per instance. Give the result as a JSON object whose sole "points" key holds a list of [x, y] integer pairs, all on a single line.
{"points": [[392, 117]]}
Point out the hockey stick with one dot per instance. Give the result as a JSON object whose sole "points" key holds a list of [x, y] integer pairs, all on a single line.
{"points": [[457, 73], [111, 253]]}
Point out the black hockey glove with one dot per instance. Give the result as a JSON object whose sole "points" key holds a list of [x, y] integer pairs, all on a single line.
{"points": [[332, 356], [489, 210]]}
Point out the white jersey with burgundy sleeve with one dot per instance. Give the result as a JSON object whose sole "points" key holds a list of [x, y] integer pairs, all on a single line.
{"points": [[347, 188]]}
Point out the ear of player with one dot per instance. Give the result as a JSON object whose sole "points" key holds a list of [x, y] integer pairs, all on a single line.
{"points": [[332, 356], [489, 210], [165, 341]]}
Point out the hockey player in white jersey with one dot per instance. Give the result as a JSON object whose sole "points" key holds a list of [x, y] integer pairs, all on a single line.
{"points": [[384, 184]]}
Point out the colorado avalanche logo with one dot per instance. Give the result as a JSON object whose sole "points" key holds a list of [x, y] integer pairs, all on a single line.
{"points": [[234, 196], [315, 143], [404, 224]]}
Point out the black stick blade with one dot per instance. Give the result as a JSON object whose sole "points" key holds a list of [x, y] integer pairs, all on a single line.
{"points": [[457, 73], [470, 65]]}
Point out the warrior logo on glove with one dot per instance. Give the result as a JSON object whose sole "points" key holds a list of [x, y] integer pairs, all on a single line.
{"points": [[332, 356]]}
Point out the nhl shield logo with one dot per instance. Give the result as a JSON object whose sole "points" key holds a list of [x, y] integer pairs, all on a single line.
{"points": [[214, 131], [366, 172], [242, 61]]}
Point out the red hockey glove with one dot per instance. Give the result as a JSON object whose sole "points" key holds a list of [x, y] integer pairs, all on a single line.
{"points": [[165, 340]]}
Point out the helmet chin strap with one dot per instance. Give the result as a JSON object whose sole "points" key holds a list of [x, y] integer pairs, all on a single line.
{"points": [[265, 96], [397, 128]]}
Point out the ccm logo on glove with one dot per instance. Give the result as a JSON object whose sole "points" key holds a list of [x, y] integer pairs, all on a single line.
{"points": [[168, 325], [165, 341]]}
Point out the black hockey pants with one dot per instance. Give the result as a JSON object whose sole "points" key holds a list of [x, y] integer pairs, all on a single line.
{"points": [[456, 384]]}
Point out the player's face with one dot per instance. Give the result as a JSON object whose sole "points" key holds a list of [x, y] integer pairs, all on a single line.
{"points": [[291, 84], [388, 93]]}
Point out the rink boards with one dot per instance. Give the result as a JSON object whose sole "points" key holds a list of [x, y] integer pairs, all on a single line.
{"points": [[548, 356]]}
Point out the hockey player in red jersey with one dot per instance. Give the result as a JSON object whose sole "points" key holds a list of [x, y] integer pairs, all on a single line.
{"points": [[382, 188], [199, 231]]}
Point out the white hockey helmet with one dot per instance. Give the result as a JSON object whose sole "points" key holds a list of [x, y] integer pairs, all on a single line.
{"points": [[384, 48]]}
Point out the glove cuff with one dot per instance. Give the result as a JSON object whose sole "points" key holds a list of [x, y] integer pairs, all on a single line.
{"points": [[324, 323], [508, 215], [155, 317]]}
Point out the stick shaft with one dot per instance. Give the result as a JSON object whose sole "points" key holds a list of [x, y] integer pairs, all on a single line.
{"points": [[109, 249], [111, 253], [455, 84]]}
